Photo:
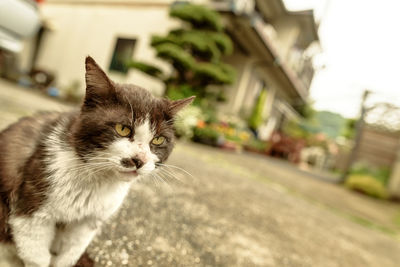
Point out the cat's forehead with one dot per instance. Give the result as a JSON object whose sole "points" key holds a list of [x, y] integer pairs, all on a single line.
{"points": [[134, 95], [140, 104]]}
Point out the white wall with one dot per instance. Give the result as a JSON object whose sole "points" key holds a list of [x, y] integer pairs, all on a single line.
{"points": [[81, 30], [239, 62]]}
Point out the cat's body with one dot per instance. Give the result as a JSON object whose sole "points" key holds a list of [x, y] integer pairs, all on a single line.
{"points": [[63, 174]]}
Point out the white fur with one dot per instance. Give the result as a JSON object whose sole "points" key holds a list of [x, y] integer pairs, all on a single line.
{"points": [[80, 196], [33, 239], [71, 242], [9, 257]]}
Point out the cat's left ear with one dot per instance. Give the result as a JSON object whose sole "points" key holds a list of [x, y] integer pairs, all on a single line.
{"points": [[99, 88], [177, 105]]}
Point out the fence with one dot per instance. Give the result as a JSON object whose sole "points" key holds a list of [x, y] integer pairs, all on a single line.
{"points": [[377, 139], [378, 146]]}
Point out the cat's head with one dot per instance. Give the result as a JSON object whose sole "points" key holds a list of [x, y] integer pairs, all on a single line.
{"points": [[123, 126]]}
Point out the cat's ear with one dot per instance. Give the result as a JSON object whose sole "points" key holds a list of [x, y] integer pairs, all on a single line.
{"points": [[99, 88], [177, 105]]}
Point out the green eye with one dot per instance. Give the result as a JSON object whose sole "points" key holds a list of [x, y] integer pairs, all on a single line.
{"points": [[158, 140], [122, 130]]}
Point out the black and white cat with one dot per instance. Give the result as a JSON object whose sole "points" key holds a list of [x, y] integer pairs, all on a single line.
{"points": [[63, 174]]}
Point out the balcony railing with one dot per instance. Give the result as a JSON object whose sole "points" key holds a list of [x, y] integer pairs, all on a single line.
{"points": [[301, 65]]}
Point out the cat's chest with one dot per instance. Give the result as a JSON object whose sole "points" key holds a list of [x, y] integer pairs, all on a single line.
{"points": [[69, 202]]}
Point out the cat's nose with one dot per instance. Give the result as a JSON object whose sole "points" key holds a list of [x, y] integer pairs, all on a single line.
{"points": [[132, 162], [138, 162]]}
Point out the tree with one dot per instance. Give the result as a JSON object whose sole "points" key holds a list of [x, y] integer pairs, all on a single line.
{"points": [[194, 51], [349, 129]]}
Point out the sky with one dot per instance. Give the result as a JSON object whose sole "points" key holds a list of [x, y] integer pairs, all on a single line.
{"points": [[360, 42]]}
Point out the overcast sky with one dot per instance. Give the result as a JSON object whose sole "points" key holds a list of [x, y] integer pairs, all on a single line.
{"points": [[361, 49]]}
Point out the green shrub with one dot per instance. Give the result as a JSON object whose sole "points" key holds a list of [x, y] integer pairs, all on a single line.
{"points": [[206, 135], [181, 91], [146, 68], [215, 73], [176, 55], [367, 184], [257, 145], [197, 15], [234, 138], [381, 173]]}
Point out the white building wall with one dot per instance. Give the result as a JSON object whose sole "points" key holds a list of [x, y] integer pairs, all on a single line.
{"points": [[81, 30], [288, 30]]}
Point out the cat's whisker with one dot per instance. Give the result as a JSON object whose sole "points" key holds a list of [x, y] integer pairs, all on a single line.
{"points": [[153, 181], [173, 176], [98, 170], [94, 164], [169, 174], [89, 159], [160, 183], [87, 172], [157, 182], [163, 181], [89, 167], [176, 167], [80, 172]]}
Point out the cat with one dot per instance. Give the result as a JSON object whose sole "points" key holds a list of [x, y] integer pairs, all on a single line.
{"points": [[63, 174]]}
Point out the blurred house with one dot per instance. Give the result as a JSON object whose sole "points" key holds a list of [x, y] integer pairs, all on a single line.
{"points": [[274, 48], [104, 29]]}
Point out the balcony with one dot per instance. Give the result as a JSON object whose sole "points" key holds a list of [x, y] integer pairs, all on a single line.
{"points": [[301, 65]]}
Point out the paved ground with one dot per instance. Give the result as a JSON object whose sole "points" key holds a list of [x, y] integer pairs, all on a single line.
{"points": [[236, 210], [16, 102]]}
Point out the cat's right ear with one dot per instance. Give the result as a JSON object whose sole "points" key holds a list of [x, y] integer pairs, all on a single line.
{"points": [[99, 88]]}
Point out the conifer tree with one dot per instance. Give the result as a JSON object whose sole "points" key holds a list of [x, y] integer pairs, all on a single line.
{"points": [[194, 52]]}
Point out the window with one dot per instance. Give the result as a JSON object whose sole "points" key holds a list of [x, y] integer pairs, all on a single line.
{"points": [[123, 51]]}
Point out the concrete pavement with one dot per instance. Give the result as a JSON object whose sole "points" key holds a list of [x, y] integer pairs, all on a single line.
{"points": [[228, 215], [16, 102]]}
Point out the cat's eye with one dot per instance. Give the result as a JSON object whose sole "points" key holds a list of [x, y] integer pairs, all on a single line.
{"points": [[158, 140], [122, 130]]}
